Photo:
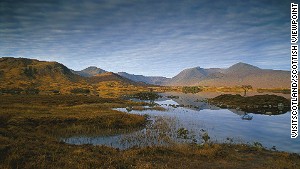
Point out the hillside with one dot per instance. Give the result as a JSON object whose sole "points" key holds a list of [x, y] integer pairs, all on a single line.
{"points": [[155, 80], [22, 75], [236, 75], [110, 76], [188, 77], [111, 85], [30, 73], [89, 72]]}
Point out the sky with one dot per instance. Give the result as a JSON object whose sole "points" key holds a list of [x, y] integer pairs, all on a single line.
{"points": [[148, 37]]}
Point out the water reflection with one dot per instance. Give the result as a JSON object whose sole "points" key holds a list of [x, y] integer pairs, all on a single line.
{"points": [[222, 125], [199, 102]]}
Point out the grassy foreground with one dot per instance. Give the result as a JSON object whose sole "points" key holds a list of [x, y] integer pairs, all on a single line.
{"points": [[29, 126]]}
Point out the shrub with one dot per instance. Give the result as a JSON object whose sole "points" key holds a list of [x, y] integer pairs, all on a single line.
{"points": [[32, 91], [30, 72], [11, 90], [191, 89], [56, 91], [146, 96], [80, 90]]}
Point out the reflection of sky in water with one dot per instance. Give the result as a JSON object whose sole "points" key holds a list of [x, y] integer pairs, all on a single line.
{"points": [[220, 124], [112, 140]]}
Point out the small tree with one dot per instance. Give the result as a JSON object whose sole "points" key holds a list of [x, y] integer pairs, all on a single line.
{"points": [[80, 91], [205, 137], [191, 89], [246, 88], [30, 72]]}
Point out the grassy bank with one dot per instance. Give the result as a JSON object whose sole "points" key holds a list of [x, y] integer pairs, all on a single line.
{"points": [[29, 126], [31, 151], [259, 104], [51, 113]]}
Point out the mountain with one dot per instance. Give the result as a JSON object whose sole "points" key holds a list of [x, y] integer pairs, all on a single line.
{"points": [[241, 70], [31, 73], [236, 75], [110, 76], [188, 76], [89, 72], [155, 80], [24, 74]]}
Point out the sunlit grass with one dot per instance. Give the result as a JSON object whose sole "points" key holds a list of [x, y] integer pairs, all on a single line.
{"points": [[30, 127]]}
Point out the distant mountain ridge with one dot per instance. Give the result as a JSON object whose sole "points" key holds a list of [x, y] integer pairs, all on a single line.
{"points": [[236, 75], [28, 73], [155, 80], [95, 71]]}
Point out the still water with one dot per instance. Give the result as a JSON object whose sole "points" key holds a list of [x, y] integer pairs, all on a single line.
{"points": [[221, 125]]}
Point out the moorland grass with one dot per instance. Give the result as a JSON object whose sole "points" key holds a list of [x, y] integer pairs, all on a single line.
{"points": [[29, 126]]}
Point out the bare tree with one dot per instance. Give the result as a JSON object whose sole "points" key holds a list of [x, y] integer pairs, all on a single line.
{"points": [[246, 88]]}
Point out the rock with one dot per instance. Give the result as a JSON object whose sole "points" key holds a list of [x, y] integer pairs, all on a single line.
{"points": [[269, 113]]}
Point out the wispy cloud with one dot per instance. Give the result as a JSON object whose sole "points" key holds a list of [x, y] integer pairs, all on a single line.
{"points": [[147, 37]]}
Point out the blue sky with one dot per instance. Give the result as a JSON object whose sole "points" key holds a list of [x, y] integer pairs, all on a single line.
{"points": [[149, 37]]}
